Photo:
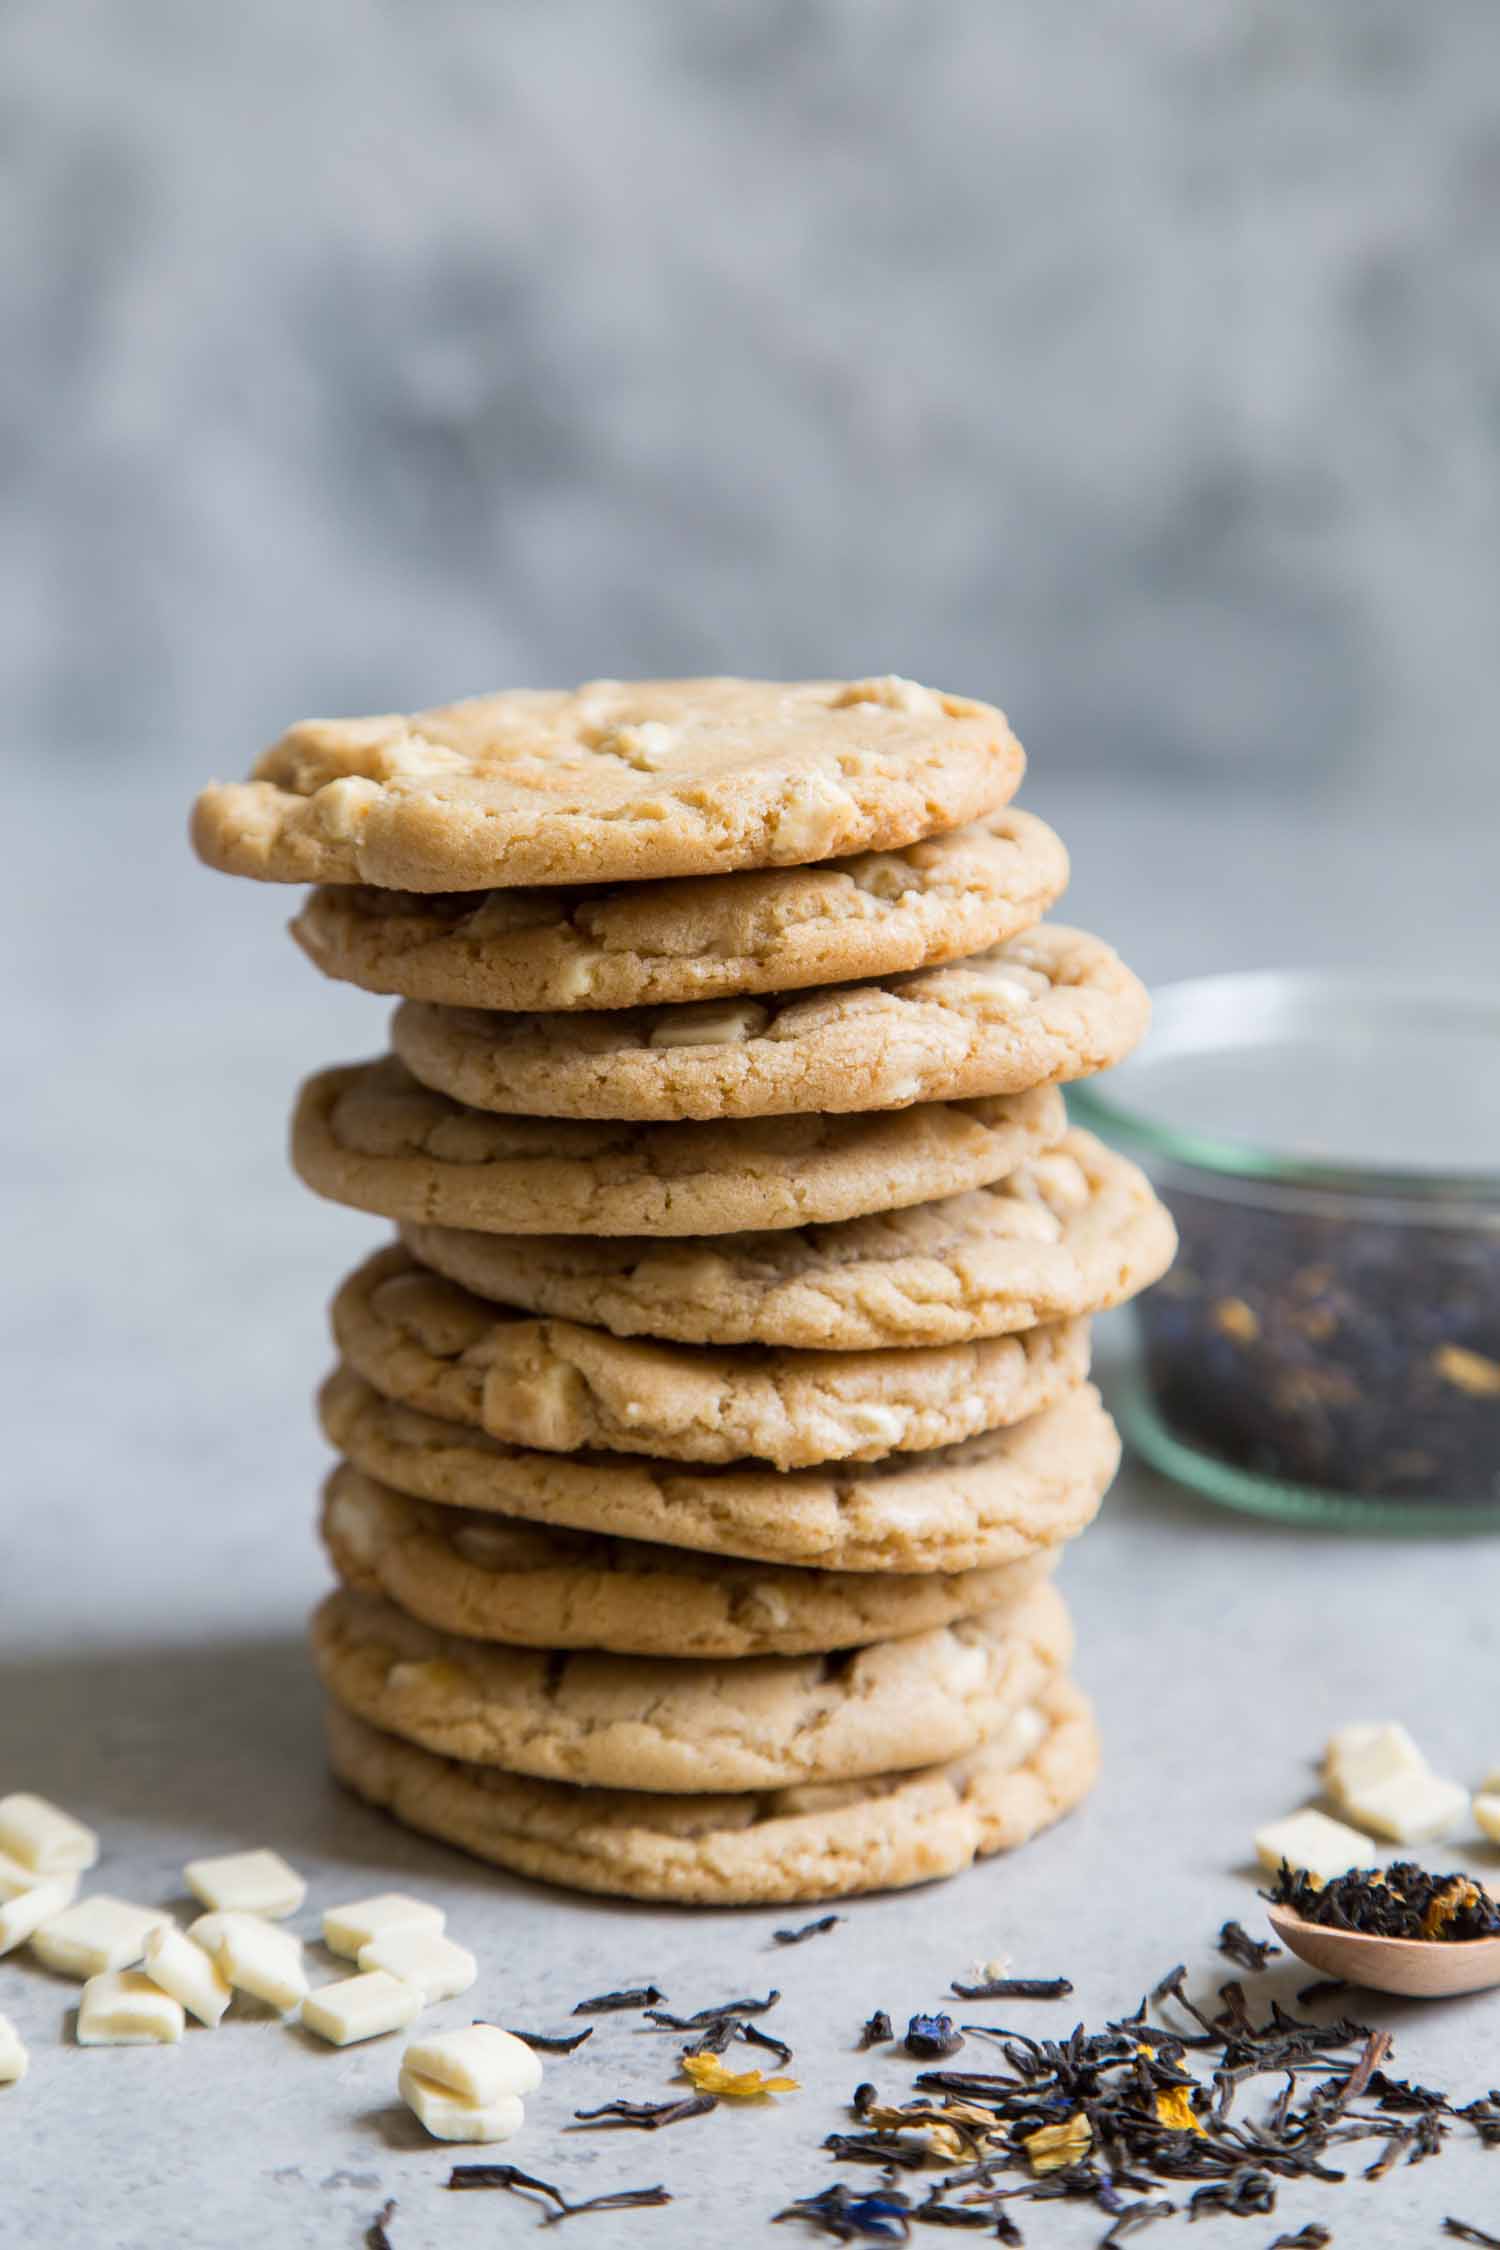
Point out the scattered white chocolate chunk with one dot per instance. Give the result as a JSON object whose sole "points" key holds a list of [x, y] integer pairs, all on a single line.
{"points": [[13, 2055], [22, 1916], [258, 1882], [96, 1935], [1312, 1844], [121, 2008], [1487, 1814], [188, 1973], [1410, 1808], [438, 1968], [262, 1961], [452, 2117], [362, 2007], [41, 1837], [1364, 1755], [479, 2063], [347, 1928], [14, 1878]]}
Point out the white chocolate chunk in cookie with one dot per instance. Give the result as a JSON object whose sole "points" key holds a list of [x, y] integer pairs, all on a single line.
{"points": [[1312, 1844], [362, 2007], [714, 1024], [22, 1916], [438, 1968], [260, 1960], [95, 1935], [891, 692], [479, 2063], [43, 1838], [347, 1929], [189, 1973], [452, 2117], [122, 2008], [14, 2059], [255, 1882], [1410, 1808]]}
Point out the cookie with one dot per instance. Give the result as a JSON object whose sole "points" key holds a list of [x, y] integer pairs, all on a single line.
{"points": [[562, 1388], [613, 783], [771, 1849], [989, 1501], [664, 1723], [500, 1579], [369, 1134], [1071, 1232], [1051, 1005], [771, 930]]}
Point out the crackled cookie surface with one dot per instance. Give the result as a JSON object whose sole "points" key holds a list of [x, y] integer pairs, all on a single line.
{"points": [[770, 1848], [614, 782], [771, 930], [640, 1722], [1070, 1232], [371, 1135], [502, 1579], [990, 1500], [560, 1387], [1054, 1004]]}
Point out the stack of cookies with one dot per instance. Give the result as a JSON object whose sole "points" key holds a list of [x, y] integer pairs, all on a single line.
{"points": [[711, 1430]]}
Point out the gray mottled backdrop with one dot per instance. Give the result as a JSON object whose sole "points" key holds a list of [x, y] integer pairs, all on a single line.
{"points": [[1136, 365]]}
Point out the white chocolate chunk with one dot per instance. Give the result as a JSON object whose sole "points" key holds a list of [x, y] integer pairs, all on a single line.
{"points": [[1312, 1844], [13, 2056], [46, 1840], [257, 1882], [256, 1959], [122, 2008], [362, 2007], [22, 1916], [438, 1968], [892, 691], [1361, 1757], [347, 1928], [190, 1975], [480, 2063], [96, 1935], [1487, 1814], [450, 2117], [713, 1024], [1410, 1808], [14, 1878]]}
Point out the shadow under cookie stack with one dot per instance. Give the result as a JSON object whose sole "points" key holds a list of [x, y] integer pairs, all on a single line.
{"points": [[711, 1430]]}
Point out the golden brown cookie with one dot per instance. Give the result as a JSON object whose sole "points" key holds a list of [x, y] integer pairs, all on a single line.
{"points": [[1054, 1004], [769, 930], [498, 1578], [1071, 1232], [991, 1500], [614, 782], [640, 1722], [772, 1848], [369, 1134], [559, 1387]]}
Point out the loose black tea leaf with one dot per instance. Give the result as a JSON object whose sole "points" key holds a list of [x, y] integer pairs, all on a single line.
{"points": [[928, 2037], [648, 2116], [1461, 2230], [755, 2037], [809, 1929], [546, 2044], [526, 2183], [725, 2008], [1132, 2219], [1237, 1945], [1310, 2237], [610, 2003], [846, 2217], [1014, 1988], [376, 2236], [1321, 1988], [877, 2030], [935, 2213], [1400, 1901]]}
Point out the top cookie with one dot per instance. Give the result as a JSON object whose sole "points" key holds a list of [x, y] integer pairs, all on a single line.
{"points": [[614, 782], [1054, 1004], [769, 930]]}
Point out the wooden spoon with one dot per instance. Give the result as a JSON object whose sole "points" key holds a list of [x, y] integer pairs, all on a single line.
{"points": [[1418, 1968]]}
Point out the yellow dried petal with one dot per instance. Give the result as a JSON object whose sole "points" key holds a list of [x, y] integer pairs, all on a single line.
{"points": [[1174, 2107], [1467, 1371], [711, 2076], [1052, 2148]]}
